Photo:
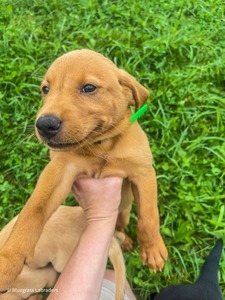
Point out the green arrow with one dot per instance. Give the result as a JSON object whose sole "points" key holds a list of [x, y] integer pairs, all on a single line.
{"points": [[139, 113]]}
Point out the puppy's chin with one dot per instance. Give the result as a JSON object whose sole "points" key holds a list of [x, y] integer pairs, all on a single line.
{"points": [[72, 146], [67, 145], [62, 146], [57, 144]]}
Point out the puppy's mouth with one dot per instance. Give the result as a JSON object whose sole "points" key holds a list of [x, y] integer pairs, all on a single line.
{"points": [[78, 143], [61, 145]]}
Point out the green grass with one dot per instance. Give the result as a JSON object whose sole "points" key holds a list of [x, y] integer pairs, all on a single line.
{"points": [[177, 50]]}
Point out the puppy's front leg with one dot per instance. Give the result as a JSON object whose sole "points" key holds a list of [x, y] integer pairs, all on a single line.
{"points": [[52, 188], [152, 248]]}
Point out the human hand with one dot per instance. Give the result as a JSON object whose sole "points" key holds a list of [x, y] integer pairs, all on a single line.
{"points": [[99, 198]]}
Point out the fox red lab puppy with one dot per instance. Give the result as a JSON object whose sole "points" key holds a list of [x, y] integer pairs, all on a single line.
{"points": [[57, 242], [85, 122]]}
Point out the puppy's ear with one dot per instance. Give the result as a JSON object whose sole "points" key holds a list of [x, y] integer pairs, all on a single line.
{"points": [[138, 95]]}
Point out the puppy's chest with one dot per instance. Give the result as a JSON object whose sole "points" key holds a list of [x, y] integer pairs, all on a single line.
{"points": [[108, 165], [115, 159], [100, 163]]}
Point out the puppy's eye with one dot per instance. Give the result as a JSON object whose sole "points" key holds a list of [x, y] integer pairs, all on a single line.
{"points": [[45, 89], [88, 88]]}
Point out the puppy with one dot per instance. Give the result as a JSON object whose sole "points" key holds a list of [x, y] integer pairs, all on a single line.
{"points": [[85, 122], [55, 246], [205, 288]]}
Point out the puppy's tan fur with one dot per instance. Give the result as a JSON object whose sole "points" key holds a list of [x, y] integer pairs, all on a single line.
{"points": [[97, 140], [55, 246]]}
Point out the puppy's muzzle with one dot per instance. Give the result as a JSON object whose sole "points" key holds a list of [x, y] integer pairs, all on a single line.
{"points": [[48, 126]]}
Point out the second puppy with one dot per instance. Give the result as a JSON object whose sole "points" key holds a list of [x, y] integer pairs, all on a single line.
{"points": [[55, 246]]}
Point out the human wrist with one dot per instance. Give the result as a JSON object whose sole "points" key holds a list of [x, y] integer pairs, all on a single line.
{"points": [[101, 232], [101, 218]]}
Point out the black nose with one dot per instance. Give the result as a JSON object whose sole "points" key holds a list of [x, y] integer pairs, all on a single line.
{"points": [[48, 126]]}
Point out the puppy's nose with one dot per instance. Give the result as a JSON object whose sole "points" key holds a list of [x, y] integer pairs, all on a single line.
{"points": [[48, 126]]}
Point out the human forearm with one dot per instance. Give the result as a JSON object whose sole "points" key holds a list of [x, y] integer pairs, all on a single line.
{"points": [[83, 275]]}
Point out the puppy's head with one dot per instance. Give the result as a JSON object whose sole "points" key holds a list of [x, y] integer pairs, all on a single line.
{"points": [[86, 99]]}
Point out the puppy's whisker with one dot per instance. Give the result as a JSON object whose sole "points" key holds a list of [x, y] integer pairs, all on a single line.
{"points": [[91, 148], [28, 137]]}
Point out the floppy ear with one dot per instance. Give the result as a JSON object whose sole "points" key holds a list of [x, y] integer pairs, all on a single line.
{"points": [[139, 94]]}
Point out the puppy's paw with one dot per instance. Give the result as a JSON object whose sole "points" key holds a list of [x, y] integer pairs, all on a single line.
{"points": [[127, 244], [154, 255], [10, 267]]}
